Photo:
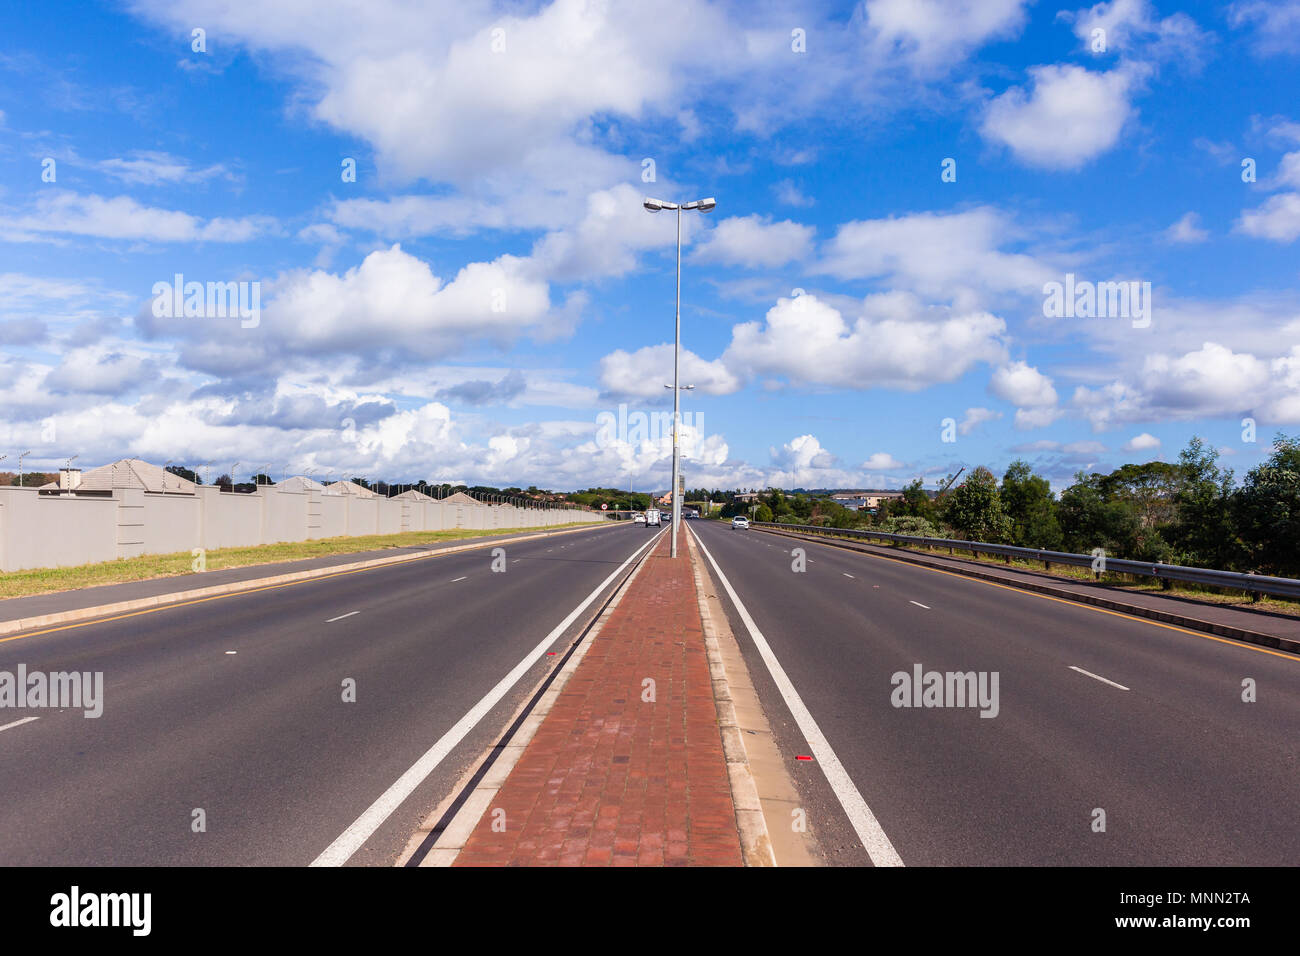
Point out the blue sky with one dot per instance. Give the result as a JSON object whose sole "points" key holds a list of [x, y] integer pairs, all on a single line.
{"points": [[489, 285]]}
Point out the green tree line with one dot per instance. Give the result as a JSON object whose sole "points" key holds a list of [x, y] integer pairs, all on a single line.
{"points": [[1189, 512]]}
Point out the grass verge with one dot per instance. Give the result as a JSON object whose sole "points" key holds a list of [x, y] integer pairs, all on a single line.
{"points": [[49, 580]]}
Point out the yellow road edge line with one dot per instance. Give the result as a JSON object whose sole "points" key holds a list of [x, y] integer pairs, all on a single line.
{"points": [[268, 587], [1286, 655]]}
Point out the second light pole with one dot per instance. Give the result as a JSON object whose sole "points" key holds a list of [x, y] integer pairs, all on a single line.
{"points": [[655, 205]]}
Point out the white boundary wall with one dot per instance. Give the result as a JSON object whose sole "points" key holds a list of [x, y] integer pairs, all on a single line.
{"points": [[52, 531]]}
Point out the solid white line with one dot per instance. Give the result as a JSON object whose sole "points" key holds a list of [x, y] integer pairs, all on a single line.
{"points": [[864, 822], [462, 578], [1098, 677], [341, 617], [847, 575], [25, 720], [355, 836], [919, 604]]}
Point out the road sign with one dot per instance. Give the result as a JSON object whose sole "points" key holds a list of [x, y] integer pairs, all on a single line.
{"points": [[604, 506]]}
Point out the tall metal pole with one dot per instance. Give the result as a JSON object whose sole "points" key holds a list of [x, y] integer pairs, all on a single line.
{"points": [[677, 392]]}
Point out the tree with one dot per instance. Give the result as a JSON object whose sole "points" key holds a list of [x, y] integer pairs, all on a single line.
{"points": [[181, 472], [1030, 507], [974, 509], [225, 483], [915, 503], [1203, 532], [1089, 520], [1267, 511]]}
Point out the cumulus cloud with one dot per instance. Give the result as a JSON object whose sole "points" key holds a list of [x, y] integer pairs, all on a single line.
{"points": [[894, 342], [1209, 382], [1277, 219], [936, 254], [1022, 384], [643, 374], [1069, 117], [1142, 442], [755, 242]]}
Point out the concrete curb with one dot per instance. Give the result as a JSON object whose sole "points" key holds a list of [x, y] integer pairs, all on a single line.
{"points": [[755, 841], [1136, 610], [253, 584], [508, 752]]}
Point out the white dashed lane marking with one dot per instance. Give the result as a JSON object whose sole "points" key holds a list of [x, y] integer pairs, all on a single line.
{"points": [[1097, 677]]}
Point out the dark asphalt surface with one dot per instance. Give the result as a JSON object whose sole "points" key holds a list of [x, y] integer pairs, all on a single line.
{"points": [[1186, 772], [261, 740]]}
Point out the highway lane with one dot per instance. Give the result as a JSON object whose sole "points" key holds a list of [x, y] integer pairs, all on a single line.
{"points": [[1186, 772], [235, 707]]}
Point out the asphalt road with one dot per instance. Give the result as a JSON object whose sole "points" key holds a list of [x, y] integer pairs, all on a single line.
{"points": [[261, 739], [1186, 772]]}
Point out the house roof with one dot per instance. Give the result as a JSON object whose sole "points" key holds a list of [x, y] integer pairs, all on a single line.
{"points": [[412, 495], [460, 498], [299, 483], [349, 488], [130, 473]]}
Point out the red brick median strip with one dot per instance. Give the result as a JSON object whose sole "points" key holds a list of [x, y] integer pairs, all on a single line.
{"points": [[610, 778]]}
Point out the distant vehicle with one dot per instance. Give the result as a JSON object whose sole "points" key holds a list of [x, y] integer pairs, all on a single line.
{"points": [[690, 513], [739, 522], [652, 519], [638, 518]]}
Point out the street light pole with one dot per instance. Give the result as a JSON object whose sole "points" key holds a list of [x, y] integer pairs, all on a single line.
{"points": [[655, 205]]}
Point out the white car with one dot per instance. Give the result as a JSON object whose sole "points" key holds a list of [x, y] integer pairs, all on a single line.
{"points": [[739, 522], [638, 518]]}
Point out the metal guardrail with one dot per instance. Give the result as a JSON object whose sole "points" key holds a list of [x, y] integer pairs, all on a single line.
{"points": [[1253, 583]]}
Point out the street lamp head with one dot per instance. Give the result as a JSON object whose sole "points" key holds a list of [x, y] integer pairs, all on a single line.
{"points": [[654, 205], [706, 205]]}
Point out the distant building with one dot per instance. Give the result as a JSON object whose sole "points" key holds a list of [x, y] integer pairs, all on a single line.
{"points": [[864, 500]]}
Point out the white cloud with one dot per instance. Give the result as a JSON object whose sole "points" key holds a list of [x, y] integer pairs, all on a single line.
{"points": [[895, 342], [150, 168], [1072, 115], [1143, 442], [882, 461], [755, 242], [1187, 229], [1040, 417], [1132, 28], [1021, 384], [121, 217], [643, 373], [1275, 24], [935, 33], [1210, 382], [1277, 219], [936, 254], [976, 417]]}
